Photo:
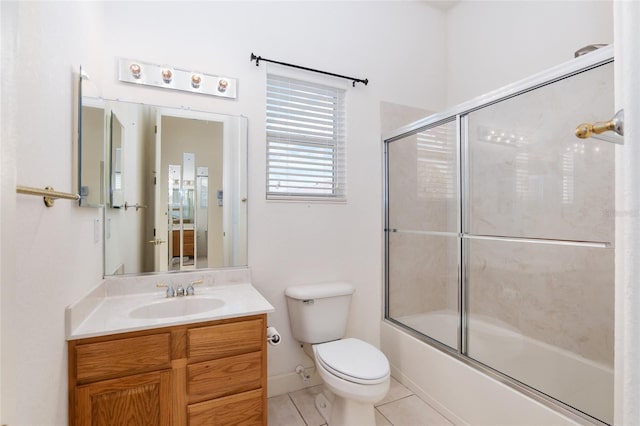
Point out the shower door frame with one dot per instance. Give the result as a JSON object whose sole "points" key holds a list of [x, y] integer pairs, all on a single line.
{"points": [[460, 113]]}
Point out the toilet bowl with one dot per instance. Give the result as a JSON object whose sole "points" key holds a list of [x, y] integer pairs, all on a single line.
{"points": [[356, 374]]}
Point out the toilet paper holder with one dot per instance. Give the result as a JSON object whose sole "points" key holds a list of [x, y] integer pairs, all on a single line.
{"points": [[273, 337]]}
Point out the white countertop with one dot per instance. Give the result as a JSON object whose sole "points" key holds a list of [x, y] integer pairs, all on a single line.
{"points": [[106, 309]]}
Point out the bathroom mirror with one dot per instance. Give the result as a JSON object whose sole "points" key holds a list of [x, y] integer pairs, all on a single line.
{"points": [[177, 182], [91, 152]]}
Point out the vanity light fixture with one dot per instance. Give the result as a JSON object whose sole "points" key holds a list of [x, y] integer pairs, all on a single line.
{"points": [[167, 77]]}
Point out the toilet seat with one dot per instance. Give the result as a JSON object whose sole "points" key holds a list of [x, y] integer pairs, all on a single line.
{"points": [[353, 360]]}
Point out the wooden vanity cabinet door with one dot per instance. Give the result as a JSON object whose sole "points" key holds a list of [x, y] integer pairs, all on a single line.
{"points": [[141, 400]]}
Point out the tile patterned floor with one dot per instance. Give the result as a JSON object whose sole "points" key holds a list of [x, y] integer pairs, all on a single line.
{"points": [[399, 408]]}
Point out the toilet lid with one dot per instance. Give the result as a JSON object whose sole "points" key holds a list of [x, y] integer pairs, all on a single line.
{"points": [[353, 360]]}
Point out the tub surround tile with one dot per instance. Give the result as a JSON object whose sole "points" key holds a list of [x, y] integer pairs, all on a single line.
{"points": [[541, 291], [537, 180], [424, 273]]}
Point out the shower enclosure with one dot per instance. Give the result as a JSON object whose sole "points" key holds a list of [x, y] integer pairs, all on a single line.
{"points": [[499, 236]]}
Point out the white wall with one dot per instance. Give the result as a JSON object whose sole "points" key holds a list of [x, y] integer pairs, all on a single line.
{"points": [[49, 257], [56, 259], [494, 43]]}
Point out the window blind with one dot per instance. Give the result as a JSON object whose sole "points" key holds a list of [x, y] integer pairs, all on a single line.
{"points": [[305, 140]]}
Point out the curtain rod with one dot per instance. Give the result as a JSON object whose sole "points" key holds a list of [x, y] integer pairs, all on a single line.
{"points": [[354, 80]]}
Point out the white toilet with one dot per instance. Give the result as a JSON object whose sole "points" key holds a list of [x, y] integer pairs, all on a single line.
{"points": [[356, 374]]}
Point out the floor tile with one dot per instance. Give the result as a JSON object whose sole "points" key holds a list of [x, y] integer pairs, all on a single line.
{"points": [[304, 399], [396, 391], [381, 420], [412, 411], [282, 412]]}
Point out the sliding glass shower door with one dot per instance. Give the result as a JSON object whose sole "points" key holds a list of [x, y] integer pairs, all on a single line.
{"points": [[540, 232], [500, 238]]}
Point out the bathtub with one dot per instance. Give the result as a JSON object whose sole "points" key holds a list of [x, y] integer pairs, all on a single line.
{"points": [[576, 381]]}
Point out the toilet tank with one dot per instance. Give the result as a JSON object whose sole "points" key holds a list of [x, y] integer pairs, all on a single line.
{"points": [[319, 312]]}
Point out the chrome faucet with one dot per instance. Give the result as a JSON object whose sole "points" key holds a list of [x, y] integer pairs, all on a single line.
{"points": [[180, 290]]}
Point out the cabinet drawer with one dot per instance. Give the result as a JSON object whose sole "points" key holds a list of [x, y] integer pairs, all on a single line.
{"points": [[226, 339], [96, 361], [242, 409], [224, 376]]}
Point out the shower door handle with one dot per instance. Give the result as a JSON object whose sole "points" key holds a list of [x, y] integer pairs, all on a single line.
{"points": [[616, 124]]}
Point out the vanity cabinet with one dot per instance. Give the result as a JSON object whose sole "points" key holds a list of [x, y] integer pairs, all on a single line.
{"points": [[188, 243], [210, 373]]}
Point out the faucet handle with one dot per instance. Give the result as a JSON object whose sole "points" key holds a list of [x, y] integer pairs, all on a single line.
{"points": [[170, 291], [190, 290]]}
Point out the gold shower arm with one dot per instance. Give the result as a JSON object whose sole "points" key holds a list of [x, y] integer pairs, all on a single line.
{"points": [[616, 124], [48, 194]]}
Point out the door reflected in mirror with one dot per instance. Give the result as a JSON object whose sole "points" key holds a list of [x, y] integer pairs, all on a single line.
{"points": [[177, 189], [188, 194], [115, 162]]}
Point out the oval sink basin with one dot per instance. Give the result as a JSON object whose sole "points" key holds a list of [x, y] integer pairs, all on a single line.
{"points": [[176, 307]]}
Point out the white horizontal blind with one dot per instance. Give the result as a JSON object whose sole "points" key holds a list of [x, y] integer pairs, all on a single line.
{"points": [[305, 140]]}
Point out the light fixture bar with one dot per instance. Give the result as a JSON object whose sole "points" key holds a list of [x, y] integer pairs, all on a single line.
{"points": [[167, 77]]}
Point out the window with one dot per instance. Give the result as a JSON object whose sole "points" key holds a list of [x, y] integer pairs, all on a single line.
{"points": [[305, 140]]}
